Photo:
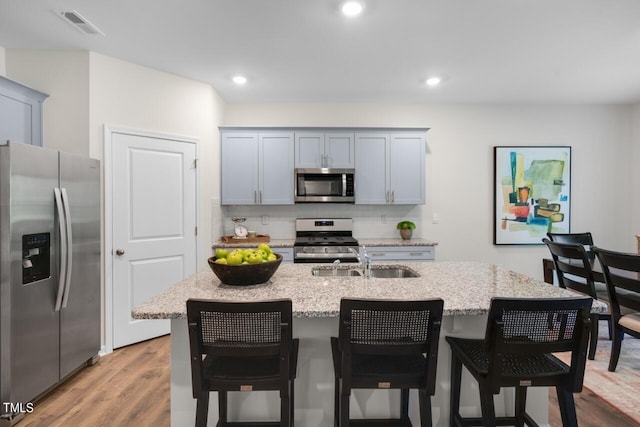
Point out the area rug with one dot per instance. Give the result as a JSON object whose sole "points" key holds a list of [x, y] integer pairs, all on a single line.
{"points": [[620, 388]]}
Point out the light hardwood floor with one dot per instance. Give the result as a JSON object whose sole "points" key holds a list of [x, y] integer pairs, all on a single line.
{"points": [[130, 387]]}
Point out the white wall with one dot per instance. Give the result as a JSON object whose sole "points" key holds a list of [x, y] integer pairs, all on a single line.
{"points": [[634, 167], [460, 169], [88, 91], [128, 95], [64, 76], [3, 62]]}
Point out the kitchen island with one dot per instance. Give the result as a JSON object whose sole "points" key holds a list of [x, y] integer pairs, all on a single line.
{"points": [[466, 287]]}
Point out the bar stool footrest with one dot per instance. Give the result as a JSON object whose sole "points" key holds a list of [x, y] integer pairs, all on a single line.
{"points": [[395, 422], [500, 421], [250, 424]]}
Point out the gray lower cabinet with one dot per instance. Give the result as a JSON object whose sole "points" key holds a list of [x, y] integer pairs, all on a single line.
{"points": [[287, 253], [390, 168], [20, 113], [402, 253], [257, 168]]}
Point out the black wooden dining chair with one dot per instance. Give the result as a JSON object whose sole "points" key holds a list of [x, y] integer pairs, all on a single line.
{"points": [[521, 338], [573, 267], [584, 239], [386, 344], [241, 346], [622, 274]]}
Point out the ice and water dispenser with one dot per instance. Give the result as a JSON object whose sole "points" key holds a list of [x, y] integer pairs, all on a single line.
{"points": [[36, 259]]}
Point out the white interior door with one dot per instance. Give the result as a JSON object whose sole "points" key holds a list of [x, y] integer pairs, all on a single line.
{"points": [[154, 226]]}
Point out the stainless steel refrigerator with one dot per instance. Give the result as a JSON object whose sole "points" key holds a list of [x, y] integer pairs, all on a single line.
{"points": [[49, 271]]}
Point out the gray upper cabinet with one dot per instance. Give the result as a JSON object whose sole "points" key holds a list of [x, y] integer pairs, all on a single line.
{"points": [[390, 168], [257, 168], [20, 113], [324, 149]]}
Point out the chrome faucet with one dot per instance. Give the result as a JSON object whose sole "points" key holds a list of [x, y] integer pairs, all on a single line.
{"points": [[334, 267], [364, 261]]}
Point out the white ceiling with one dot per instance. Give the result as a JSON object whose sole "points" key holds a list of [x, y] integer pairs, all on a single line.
{"points": [[486, 51]]}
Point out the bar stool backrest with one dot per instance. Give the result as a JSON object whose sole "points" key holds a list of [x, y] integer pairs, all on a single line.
{"points": [[537, 327], [238, 329], [391, 327]]}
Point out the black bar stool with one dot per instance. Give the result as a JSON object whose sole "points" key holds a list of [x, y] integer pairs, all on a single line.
{"points": [[520, 338], [241, 346], [386, 344]]}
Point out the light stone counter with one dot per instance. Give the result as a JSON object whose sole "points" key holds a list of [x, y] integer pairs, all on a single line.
{"points": [[466, 288], [240, 243], [396, 242], [288, 243]]}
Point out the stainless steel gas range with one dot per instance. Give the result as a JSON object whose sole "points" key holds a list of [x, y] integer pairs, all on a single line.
{"points": [[324, 240]]}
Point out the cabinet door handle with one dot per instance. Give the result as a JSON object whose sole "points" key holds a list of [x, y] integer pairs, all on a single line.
{"points": [[260, 196], [377, 254], [255, 196], [393, 196], [386, 197]]}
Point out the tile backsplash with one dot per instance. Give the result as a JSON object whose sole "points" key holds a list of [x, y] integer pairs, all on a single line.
{"points": [[369, 221]]}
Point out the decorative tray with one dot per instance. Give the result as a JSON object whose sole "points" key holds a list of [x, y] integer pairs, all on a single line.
{"points": [[260, 238]]}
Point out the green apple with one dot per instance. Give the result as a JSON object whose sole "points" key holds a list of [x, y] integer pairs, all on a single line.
{"points": [[262, 253], [247, 253], [221, 261], [264, 247], [234, 258], [221, 253], [272, 257], [255, 258]]}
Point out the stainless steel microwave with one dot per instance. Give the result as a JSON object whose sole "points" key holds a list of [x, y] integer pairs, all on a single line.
{"points": [[324, 185]]}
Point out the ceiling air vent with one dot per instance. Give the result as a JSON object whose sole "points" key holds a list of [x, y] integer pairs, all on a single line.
{"points": [[78, 22]]}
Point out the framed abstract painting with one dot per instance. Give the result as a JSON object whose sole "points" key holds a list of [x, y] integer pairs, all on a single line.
{"points": [[532, 193]]}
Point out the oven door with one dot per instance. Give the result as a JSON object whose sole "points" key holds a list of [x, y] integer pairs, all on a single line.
{"points": [[307, 254]]}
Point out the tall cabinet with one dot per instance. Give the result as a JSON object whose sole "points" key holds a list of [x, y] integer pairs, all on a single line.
{"points": [[20, 113], [257, 168], [390, 168]]}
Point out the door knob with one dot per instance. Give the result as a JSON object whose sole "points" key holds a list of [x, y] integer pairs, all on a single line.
{"points": [[119, 252]]}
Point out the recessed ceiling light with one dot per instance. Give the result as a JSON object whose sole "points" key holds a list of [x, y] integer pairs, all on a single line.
{"points": [[433, 81], [352, 8], [239, 80]]}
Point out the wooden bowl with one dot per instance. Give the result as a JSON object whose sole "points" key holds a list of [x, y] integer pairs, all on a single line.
{"points": [[245, 274]]}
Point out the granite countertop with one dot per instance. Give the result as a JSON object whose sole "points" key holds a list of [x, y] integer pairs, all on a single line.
{"points": [[466, 287], [274, 243], [285, 243], [396, 242]]}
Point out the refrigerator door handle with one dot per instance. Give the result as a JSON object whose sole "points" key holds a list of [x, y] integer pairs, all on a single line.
{"points": [[62, 227], [67, 279]]}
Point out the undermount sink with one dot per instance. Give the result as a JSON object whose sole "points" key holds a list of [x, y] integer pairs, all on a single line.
{"points": [[393, 272], [341, 272], [384, 272]]}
